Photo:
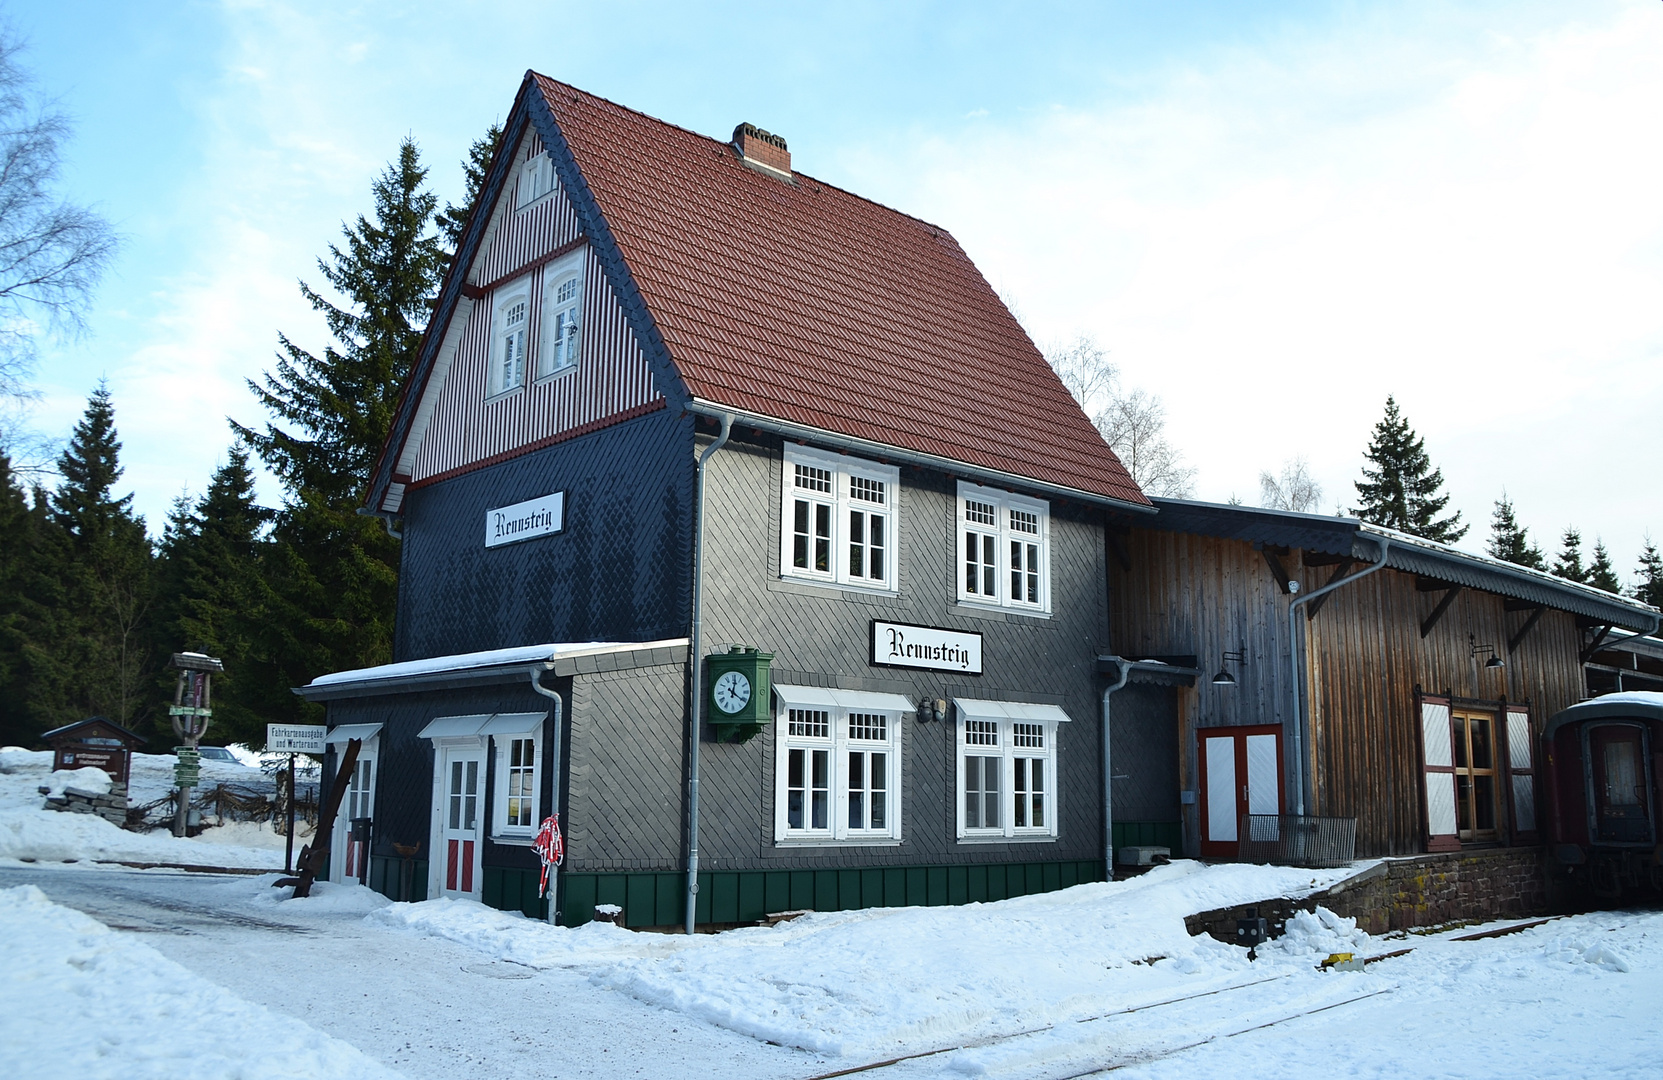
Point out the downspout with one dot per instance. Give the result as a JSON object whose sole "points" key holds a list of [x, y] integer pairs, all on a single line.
{"points": [[1296, 666], [386, 520], [694, 719], [556, 745], [1125, 667]]}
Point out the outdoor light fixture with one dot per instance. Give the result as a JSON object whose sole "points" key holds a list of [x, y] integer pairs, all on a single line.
{"points": [[1224, 678], [1474, 649]]}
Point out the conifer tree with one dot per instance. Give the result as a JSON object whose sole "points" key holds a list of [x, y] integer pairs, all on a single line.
{"points": [[18, 564], [1400, 489], [1649, 588], [454, 217], [1509, 541], [1568, 563], [1601, 574], [331, 574]]}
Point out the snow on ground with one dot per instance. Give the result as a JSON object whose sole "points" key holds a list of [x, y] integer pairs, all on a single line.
{"points": [[29, 832], [82, 1001]]}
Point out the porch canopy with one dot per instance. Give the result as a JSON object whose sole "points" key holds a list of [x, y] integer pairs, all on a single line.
{"points": [[494, 666]]}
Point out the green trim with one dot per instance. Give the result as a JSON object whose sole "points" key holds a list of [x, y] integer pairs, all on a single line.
{"points": [[743, 896], [1167, 834], [513, 890], [384, 877]]}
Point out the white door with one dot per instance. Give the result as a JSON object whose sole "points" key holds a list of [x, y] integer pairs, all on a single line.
{"points": [[346, 857], [462, 811]]}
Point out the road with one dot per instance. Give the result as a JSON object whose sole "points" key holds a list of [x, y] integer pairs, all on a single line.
{"points": [[423, 1006]]}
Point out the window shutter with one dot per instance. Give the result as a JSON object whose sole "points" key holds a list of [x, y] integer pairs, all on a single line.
{"points": [[1521, 770], [1438, 764]]}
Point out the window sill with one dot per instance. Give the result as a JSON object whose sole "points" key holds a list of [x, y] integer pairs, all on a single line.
{"points": [[1017, 839], [515, 841], [995, 611], [503, 395], [804, 586], [818, 842], [558, 373]]}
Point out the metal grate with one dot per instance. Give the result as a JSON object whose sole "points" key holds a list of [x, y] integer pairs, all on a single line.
{"points": [[1292, 840]]}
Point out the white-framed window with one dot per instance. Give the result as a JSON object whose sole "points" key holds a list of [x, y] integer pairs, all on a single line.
{"points": [[838, 519], [510, 328], [1007, 770], [515, 796], [837, 766], [560, 332], [537, 179], [1003, 551]]}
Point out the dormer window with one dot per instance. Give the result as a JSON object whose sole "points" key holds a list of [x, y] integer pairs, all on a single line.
{"points": [[562, 322], [509, 329], [537, 179]]}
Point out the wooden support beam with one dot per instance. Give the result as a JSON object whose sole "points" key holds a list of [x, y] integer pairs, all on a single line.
{"points": [[1340, 571], [1450, 593], [1593, 646], [1524, 631], [1274, 561]]}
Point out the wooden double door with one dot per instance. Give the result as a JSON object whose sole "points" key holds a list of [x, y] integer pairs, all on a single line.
{"points": [[1241, 773]]}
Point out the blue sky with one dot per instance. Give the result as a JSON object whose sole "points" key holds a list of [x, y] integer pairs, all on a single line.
{"points": [[1270, 215]]}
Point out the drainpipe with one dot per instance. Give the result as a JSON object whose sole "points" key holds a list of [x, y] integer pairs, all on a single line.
{"points": [[555, 747], [693, 712], [1125, 668], [1296, 667], [386, 520]]}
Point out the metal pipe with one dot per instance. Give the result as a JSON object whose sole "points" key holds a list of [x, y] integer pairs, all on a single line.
{"points": [[1125, 667], [1296, 667], [386, 520], [556, 743], [696, 647]]}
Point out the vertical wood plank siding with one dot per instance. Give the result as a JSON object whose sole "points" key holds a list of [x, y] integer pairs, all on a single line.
{"points": [[1194, 594], [612, 376]]}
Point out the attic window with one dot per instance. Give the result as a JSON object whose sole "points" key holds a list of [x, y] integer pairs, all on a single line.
{"points": [[537, 179]]}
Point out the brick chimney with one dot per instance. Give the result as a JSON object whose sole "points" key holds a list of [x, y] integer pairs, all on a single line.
{"points": [[762, 150]]}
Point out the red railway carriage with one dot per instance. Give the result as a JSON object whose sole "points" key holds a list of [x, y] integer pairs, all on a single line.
{"points": [[1604, 760]]}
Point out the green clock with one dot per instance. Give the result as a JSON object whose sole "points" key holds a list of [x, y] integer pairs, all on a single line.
{"points": [[737, 703]]}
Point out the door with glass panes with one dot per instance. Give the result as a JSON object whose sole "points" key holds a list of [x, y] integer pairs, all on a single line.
{"points": [[1473, 750], [461, 812], [347, 855], [1241, 774], [1621, 805]]}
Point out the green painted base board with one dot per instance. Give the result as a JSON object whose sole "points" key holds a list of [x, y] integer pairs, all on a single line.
{"points": [[387, 878], [1167, 834]]}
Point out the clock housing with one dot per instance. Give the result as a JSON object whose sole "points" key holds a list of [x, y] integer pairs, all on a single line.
{"points": [[757, 710]]}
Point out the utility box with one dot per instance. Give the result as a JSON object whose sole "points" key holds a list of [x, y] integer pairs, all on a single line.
{"points": [[739, 701], [1144, 856], [1252, 932]]}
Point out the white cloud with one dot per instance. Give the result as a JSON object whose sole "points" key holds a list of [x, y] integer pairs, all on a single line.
{"points": [[1275, 239]]}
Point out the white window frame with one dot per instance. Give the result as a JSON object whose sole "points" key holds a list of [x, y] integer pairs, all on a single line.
{"points": [[503, 747], [1009, 539], [839, 747], [498, 380], [537, 180], [1006, 754], [552, 331], [849, 477]]}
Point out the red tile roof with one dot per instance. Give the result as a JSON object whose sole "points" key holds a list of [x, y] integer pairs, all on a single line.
{"points": [[804, 303]]}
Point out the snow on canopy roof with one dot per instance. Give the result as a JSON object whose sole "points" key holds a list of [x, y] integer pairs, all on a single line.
{"points": [[457, 663], [1635, 704]]}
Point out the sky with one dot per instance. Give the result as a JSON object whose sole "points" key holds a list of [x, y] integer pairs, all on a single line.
{"points": [[1272, 216]]}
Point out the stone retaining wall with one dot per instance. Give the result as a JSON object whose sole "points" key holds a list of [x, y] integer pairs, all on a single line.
{"points": [[112, 807], [1396, 894]]}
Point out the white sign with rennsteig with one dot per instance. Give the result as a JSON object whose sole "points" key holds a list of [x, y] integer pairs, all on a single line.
{"points": [[900, 645], [525, 521], [295, 738]]}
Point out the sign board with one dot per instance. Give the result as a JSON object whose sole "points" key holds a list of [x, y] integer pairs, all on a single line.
{"points": [[295, 738], [901, 645], [525, 521]]}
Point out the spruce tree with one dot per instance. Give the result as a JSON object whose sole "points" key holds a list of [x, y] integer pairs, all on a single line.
{"points": [[1648, 589], [1568, 563], [331, 574], [1601, 574], [1510, 542], [1400, 489], [18, 565], [453, 219]]}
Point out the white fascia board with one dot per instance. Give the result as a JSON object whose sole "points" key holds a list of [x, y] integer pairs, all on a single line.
{"points": [[826, 697], [1026, 712]]}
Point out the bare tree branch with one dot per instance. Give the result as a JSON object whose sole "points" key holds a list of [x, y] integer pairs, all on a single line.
{"points": [[1293, 490]]}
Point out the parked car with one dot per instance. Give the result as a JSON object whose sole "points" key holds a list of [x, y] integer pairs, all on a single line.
{"points": [[218, 753]]}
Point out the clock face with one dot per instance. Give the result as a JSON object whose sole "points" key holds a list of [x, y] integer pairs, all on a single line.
{"points": [[732, 691]]}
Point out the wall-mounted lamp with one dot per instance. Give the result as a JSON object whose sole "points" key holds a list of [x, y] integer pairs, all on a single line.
{"points": [[1224, 678], [932, 709], [1474, 649]]}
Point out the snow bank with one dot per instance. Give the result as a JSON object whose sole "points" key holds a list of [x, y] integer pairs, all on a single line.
{"points": [[80, 1001], [93, 781], [892, 979]]}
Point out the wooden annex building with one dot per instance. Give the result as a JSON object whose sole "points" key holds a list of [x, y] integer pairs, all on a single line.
{"points": [[1423, 678]]}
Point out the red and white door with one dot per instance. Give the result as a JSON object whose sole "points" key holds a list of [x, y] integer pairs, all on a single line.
{"points": [[347, 855], [460, 811], [1241, 773]]}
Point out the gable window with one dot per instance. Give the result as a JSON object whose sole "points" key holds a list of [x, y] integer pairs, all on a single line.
{"points": [[561, 329], [509, 329], [1007, 762], [537, 179], [1003, 549], [837, 765], [838, 523]]}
